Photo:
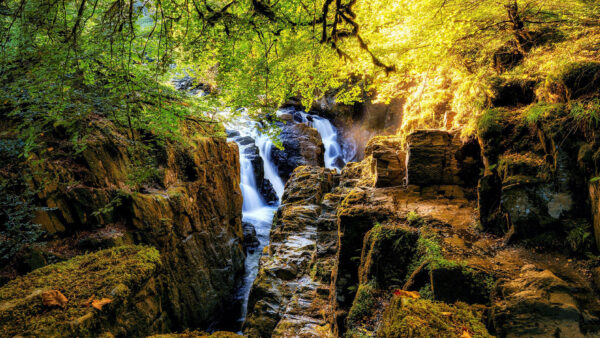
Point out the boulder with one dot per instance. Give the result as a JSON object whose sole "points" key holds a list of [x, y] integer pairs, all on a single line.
{"points": [[386, 254], [302, 145], [388, 165], [250, 239], [537, 303]]}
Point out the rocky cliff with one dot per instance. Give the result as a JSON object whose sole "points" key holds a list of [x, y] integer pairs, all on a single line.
{"points": [[361, 253], [180, 196]]}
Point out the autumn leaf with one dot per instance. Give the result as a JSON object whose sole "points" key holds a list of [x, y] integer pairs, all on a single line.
{"points": [[53, 298], [99, 303], [407, 294]]}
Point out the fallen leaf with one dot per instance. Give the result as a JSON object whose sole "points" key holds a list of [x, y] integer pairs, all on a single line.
{"points": [[50, 149], [53, 298], [447, 314], [99, 303], [407, 294]]}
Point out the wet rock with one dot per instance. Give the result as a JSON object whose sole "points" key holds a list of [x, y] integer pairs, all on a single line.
{"points": [[283, 299], [250, 239], [265, 187], [244, 140], [388, 161], [232, 133], [302, 146]]}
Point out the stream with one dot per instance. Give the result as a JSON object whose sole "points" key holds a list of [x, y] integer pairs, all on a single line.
{"points": [[256, 210]]}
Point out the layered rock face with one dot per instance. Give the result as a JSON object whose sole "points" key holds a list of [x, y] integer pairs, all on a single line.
{"points": [[535, 187], [187, 204], [302, 146], [399, 260]]}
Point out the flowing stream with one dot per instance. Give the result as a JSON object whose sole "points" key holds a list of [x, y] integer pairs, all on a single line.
{"points": [[256, 210]]}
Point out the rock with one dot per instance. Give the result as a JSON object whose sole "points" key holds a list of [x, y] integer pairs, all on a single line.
{"points": [[386, 254], [491, 217], [536, 304], [250, 239], [594, 193], [232, 133], [30, 258], [53, 298], [244, 140], [339, 162], [405, 317], [190, 211], [437, 157], [388, 161], [283, 300], [450, 284], [514, 93], [139, 311], [302, 146], [252, 153]]}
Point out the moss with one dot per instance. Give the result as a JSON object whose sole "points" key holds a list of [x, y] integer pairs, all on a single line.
{"points": [[98, 274], [541, 110], [523, 167], [424, 318], [362, 305], [489, 123]]}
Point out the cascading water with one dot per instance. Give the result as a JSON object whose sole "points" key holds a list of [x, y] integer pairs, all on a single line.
{"points": [[255, 210], [334, 156]]}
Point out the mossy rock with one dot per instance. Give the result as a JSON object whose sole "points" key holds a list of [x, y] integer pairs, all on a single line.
{"points": [[123, 274], [406, 317], [363, 304], [387, 252], [573, 81]]}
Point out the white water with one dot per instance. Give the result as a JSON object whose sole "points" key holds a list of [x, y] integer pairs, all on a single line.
{"points": [[255, 210], [330, 138], [264, 144]]}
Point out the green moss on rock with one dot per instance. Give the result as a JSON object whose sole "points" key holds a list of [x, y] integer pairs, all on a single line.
{"points": [[424, 318], [118, 274]]}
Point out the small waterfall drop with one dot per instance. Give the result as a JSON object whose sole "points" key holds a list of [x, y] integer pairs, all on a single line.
{"points": [[334, 156], [265, 145]]}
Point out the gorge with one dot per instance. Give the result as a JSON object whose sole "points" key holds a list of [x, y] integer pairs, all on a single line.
{"points": [[300, 168]]}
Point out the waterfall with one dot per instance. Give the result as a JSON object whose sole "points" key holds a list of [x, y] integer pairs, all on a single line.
{"points": [[334, 156], [255, 209], [265, 145]]}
